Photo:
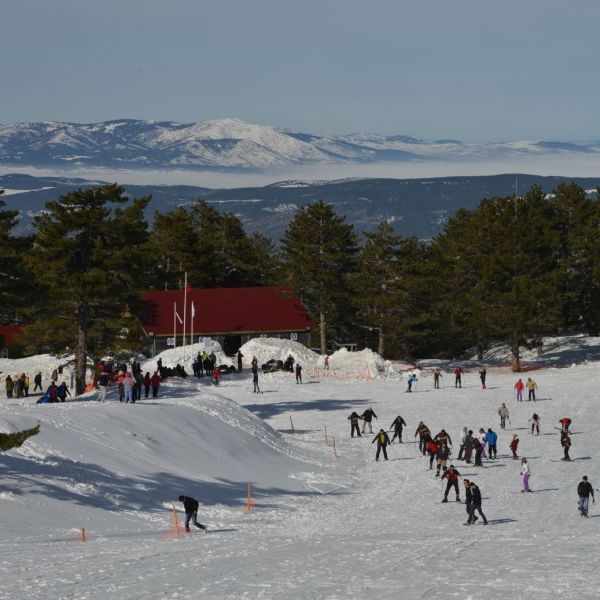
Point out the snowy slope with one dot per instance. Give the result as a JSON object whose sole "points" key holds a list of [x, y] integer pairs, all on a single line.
{"points": [[324, 527], [233, 144]]}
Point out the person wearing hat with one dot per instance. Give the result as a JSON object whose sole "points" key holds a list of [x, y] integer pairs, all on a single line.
{"points": [[452, 475], [382, 440], [584, 489], [190, 506]]}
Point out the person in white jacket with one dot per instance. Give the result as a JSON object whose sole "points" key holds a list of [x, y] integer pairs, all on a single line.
{"points": [[483, 441], [463, 437], [526, 473]]}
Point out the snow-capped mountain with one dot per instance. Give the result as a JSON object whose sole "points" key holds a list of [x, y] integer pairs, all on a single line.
{"points": [[232, 144]]}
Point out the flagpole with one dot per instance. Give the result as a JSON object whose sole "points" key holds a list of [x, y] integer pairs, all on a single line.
{"points": [[184, 311], [174, 324], [192, 323]]}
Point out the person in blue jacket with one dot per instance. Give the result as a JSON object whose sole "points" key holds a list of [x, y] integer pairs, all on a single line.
{"points": [[491, 438]]}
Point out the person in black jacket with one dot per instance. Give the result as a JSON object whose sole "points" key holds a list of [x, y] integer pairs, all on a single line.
{"points": [[442, 455], [382, 440], [475, 504], [398, 423], [584, 489], [37, 380], [190, 506], [298, 373], [468, 499], [353, 418], [367, 418]]}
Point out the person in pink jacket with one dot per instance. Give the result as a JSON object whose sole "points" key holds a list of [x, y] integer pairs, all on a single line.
{"points": [[519, 387]]}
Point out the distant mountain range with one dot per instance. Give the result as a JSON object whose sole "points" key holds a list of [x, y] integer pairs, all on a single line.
{"points": [[231, 144], [418, 207]]}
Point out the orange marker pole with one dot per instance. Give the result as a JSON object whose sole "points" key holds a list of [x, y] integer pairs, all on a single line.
{"points": [[175, 521]]}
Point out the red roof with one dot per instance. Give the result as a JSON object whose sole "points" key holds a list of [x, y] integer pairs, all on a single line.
{"points": [[226, 310], [10, 333]]}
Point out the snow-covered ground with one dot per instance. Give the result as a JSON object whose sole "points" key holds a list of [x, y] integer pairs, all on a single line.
{"points": [[323, 527]]}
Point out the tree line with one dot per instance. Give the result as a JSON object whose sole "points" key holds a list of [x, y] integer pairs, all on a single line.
{"points": [[514, 269]]}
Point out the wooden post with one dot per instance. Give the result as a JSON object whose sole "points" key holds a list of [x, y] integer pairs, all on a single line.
{"points": [[292, 424], [334, 448], [326, 440], [82, 530]]}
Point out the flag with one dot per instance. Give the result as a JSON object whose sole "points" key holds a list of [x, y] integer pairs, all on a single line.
{"points": [[178, 317], [193, 310]]}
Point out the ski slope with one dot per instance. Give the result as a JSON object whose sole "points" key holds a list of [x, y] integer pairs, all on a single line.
{"points": [[323, 527]]}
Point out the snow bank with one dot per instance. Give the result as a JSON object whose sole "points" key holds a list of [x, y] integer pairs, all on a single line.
{"points": [[43, 363], [365, 363], [266, 349], [16, 423], [186, 355]]}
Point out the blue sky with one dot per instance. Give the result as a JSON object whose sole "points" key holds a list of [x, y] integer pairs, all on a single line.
{"points": [[475, 70]]}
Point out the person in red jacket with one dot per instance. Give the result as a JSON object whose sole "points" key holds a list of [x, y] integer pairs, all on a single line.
{"points": [[216, 376], [565, 423], [155, 383], [514, 445], [432, 448], [458, 373], [452, 475], [519, 387]]}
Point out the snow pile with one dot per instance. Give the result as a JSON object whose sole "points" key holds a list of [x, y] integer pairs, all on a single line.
{"points": [[16, 423], [186, 355], [42, 363], [266, 349], [365, 363]]}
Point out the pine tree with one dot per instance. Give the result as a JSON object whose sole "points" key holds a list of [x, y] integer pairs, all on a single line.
{"points": [[14, 440], [319, 253], [89, 257]]}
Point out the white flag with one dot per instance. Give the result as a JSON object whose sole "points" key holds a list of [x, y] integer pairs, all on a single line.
{"points": [[193, 310], [178, 317]]}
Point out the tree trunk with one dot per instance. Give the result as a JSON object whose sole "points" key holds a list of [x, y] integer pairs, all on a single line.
{"points": [[323, 331], [380, 345], [81, 349], [516, 355]]}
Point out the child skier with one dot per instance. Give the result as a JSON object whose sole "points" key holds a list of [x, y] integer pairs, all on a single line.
{"points": [[565, 442], [526, 474], [382, 440], [514, 445], [565, 423]]}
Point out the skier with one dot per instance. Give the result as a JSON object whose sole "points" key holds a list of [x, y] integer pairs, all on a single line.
{"points": [[475, 504], [531, 387], [353, 418], [565, 423], [491, 437], [468, 499], [519, 386], [526, 474], [239, 360], [482, 440], [155, 383], [504, 414], [565, 442], [397, 424], [442, 455], [256, 389], [190, 506], [535, 423], [469, 444], [298, 373], [367, 417], [437, 373], [482, 376], [463, 437], [412, 378], [478, 447], [584, 489], [102, 386], [432, 447], [37, 380], [514, 445], [458, 373], [382, 440], [443, 438], [423, 432], [452, 475]]}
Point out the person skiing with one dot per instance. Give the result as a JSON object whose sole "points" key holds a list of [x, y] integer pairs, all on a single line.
{"points": [[468, 499], [239, 360], [458, 373], [37, 381], [475, 504], [504, 414], [565, 423], [443, 438], [423, 432], [437, 373], [531, 386], [491, 437], [482, 376], [452, 475], [535, 423], [432, 447], [469, 444], [398, 423], [367, 417], [102, 386], [463, 437], [442, 455], [412, 378], [256, 389], [514, 444], [382, 440], [565, 442], [478, 447], [190, 505], [482, 441], [519, 387], [298, 373], [584, 489], [155, 383], [353, 418], [526, 474]]}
